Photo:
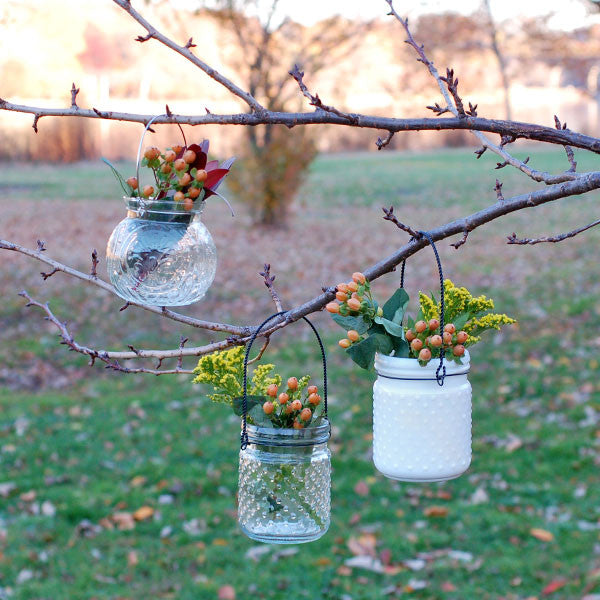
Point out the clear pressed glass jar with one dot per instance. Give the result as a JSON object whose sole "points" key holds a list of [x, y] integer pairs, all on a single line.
{"points": [[421, 430], [284, 486], [161, 254]]}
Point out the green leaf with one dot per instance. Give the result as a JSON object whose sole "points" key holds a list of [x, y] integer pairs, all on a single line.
{"points": [[252, 402], [391, 327], [363, 353], [126, 188], [357, 323], [401, 349], [461, 321], [397, 302], [384, 343]]}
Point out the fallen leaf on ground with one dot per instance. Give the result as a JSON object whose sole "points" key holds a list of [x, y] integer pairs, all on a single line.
{"points": [[138, 481], [220, 542], [435, 511], [448, 587], [124, 521], [553, 586], [365, 562], [323, 561], [541, 534], [132, 558], [363, 545], [361, 488], [143, 513], [226, 592]]}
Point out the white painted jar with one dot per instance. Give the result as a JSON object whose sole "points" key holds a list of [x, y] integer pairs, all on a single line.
{"points": [[421, 430]]}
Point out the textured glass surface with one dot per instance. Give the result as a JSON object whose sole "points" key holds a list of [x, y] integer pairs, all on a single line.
{"points": [[284, 493], [161, 262]]}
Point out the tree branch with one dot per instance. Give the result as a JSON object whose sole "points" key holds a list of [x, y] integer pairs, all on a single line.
{"points": [[512, 239]]}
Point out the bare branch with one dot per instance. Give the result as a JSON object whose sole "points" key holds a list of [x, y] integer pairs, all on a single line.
{"points": [[390, 216], [315, 101], [266, 275], [462, 241], [186, 52], [261, 352], [6, 245], [383, 143], [452, 84], [568, 150], [95, 261], [512, 239], [47, 275], [74, 92], [498, 190]]}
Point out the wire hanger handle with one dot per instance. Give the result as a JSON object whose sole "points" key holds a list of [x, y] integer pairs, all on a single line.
{"points": [[440, 373], [244, 436]]}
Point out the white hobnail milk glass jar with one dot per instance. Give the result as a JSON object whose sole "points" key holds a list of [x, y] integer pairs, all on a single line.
{"points": [[421, 430]]}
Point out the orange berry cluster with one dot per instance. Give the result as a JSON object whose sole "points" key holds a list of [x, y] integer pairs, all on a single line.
{"points": [[173, 170], [289, 408], [425, 340]]}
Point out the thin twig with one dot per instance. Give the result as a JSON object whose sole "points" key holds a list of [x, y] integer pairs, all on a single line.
{"points": [[74, 92], [512, 239], [462, 241], [266, 275], [261, 352], [95, 261], [390, 216], [383, 143]]}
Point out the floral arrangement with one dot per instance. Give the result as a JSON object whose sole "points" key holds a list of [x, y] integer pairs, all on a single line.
{"points": [[371, 328], [268, 404], [182, 174]]}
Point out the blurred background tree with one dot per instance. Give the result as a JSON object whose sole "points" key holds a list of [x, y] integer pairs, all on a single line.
{"points": [[262, 50]]}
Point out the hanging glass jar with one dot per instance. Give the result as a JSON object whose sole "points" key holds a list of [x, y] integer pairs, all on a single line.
{"points": [[161, 254], [284, 473]]}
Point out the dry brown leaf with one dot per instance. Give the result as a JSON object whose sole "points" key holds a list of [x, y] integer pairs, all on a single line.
{"points": [[28, 496], [344, 570], [226, 592], [363, 545], [541, 534], [220, 542], [436, 511], [361, 488], [143, 513], [124, 521], [554, 586], [138, 481], [132, 558], [323, 561]]}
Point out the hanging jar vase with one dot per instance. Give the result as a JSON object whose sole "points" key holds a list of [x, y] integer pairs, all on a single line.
{"points": [[422, 414], [162, 254], [284, 474]]}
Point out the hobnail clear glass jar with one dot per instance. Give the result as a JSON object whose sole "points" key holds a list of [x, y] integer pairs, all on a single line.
{"points": [[421, 430], [284, 485], [161, 254]]}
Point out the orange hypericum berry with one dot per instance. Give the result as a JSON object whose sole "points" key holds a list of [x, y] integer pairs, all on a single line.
{"points": [[292, 383], [189, 156], [356, 296], [354, 304], [450, 328], [268, 407], [201, 175], [425, 354], [188, 204], [433, 324], [420, 326], [345, 343], [177, 148], [447, 337], [132, 182], [458, 350], [314, 399], [436, 341], [416, 344], [283, 398], [288, 409], [166, 169], [296, 405], [180, 165], [333, 307], [352, 286], [410, 335], [151, 153], [193, 192], [358, 277], [170, 156], [298, 425], [147, 191], [353, 335], [342, 287], [461, 337], [427, 340], [341, 296], [306, 414], [272, 390], [312, 389], [185, 179], [179, 197]]}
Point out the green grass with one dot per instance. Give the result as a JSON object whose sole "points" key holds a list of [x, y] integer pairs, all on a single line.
{"points": [[81, 449]]}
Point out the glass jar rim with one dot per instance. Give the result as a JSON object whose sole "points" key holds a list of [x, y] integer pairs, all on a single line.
{"points": [[271, 436], [164, 206]]}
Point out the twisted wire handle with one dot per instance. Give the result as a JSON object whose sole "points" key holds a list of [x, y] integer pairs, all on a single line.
{"points": [[440, 373], [244, 436]]}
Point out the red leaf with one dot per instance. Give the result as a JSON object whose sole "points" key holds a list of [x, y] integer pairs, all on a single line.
{"points": [[201, 155], [214, 178], [211, 165], [554, 586]]}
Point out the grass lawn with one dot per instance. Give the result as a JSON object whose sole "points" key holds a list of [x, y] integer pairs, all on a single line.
{"points": [[81, 451]]}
